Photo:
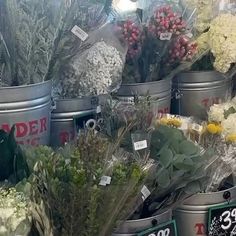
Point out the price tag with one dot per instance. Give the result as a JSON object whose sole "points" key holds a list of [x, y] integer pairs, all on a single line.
{"points": [[145, 193], [128, 100], [168, 229], [166, 36], [105, 180], [222, 220], [197, 127], [98, 109], [77, 31], [140, 145]]}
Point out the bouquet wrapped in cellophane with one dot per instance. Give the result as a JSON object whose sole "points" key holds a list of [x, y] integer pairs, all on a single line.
{"points": [[160, 40], [87, 188], [37, 38]]}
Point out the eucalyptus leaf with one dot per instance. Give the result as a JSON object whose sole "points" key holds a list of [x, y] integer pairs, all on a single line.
{"points": [[193, 188], [166, 157], [188, 148]]}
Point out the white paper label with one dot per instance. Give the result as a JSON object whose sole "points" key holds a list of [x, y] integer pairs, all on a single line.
{"points": [[99, 109], [105, 180], [190, 35], [140, 145], [166, 36], [77, 31], [129, 100], [145, 192], [197, 127]]}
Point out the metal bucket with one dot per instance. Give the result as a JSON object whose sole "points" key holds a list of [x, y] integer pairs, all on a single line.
{"points": [[65, 115], [160, 92], [132, 227], [192, 216], [29, 108], [195, 92]]}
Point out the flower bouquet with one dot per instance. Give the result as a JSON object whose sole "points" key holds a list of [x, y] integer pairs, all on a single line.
{"points": [[86, 189], [38, 38], [14, 217], [159, 44]]}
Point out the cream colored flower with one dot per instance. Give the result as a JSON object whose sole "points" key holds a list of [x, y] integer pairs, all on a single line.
{"points": [[228, 125]]}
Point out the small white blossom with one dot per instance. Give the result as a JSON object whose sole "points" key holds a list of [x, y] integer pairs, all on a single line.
{"points": [[98, 71]]}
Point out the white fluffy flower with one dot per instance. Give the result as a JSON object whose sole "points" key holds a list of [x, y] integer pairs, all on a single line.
{"points": [[217, 111], [98, 71], [228, 125]]}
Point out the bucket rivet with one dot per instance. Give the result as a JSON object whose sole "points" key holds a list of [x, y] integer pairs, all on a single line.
{"points": [[227, 195], [154, 222]]}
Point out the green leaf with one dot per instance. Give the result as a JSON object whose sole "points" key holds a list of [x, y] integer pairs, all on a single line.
{"points": [[166, 157], [228, 112], [163, 179], [188, 148]]}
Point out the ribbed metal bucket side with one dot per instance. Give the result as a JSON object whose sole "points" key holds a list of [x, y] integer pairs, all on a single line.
{"points": [[28, 108], [191, 217], [194, 92], [130, 227]]}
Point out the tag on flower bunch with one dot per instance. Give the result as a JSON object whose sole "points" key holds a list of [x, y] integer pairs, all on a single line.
{"points": [[105, 180], [140, 141], [145, 193], [165, 36], [77, 31], [196, 127]]}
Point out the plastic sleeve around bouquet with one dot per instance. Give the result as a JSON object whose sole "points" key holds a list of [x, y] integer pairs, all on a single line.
{"points": [[97, 69], [181, 171], [38, 35], [85, 189]]}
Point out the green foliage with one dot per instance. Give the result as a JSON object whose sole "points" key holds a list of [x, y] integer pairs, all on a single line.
{"points": [[66, 192], [181, 161]]}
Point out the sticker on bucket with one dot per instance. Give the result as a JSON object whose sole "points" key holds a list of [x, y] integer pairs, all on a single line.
{"points": [[222, 220], [168, 229]]}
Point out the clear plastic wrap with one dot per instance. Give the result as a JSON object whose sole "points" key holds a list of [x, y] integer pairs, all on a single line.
{"points": [[164, 24], [97, 69], [38, 36]]}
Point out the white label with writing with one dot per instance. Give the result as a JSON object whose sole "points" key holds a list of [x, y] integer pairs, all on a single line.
{"points": [[76, 30], [140, 145], [145, 193], [105, 180], [197, 127], [166, 36]]}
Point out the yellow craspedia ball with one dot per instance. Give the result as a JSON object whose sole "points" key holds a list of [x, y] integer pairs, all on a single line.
{"points": [[164, 121], [231, 138], [219, 129], [176, 123], [212, 128]]}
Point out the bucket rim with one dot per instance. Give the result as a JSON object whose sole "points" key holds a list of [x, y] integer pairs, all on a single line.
{"points": [[49, 82]]}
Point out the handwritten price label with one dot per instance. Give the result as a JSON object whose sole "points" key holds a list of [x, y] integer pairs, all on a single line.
{"points": [[165, 36], [222, 220], [168, 229], [77, 31]]}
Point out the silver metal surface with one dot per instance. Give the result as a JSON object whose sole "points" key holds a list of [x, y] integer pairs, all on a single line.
{"points": [[195, 92], [29, 108], [63, 118], [131, 227], [192, 216], [160, 92]]}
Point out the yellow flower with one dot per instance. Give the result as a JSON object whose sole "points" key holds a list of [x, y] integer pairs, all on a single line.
{"points": [[212, 128], [164, 121], [231, 138], [219, 129], [175, 122]]}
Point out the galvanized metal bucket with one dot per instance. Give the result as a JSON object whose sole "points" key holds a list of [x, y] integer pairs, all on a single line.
{"points": [[64, 116], [195, 92], [159, 91], [132, 227], [192, 216], [28, 108]]}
